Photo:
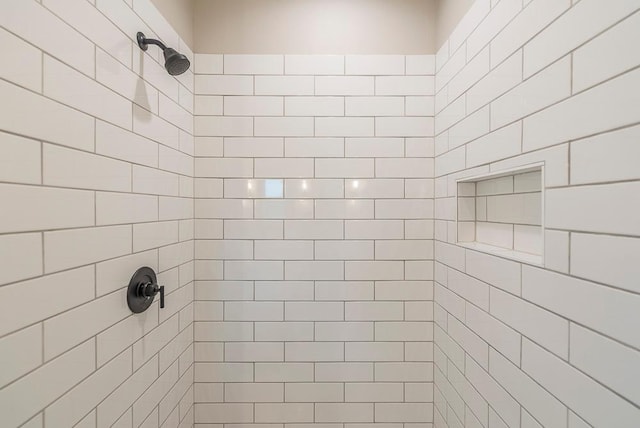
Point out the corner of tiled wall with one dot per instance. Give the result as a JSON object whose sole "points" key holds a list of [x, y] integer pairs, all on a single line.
{"points": [[96, 180], [519, 344], [314, 240]]}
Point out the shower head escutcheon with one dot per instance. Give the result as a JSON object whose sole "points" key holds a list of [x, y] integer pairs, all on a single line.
{"points": [[175, 62]]}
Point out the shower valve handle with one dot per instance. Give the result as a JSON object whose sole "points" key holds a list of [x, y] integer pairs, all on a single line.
{"points": [[149, 290], [142, 290]]}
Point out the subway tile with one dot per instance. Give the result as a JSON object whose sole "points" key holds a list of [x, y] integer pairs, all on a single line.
{"points": [[72, 406], [615, 376], [155, 128], [24, 62], [314, 270], [284, 412], [407, 331], [373, 392], [285, 168], [468, 23], [344, 412], [374, 188], [314, 188], [344, 168], [404, 412], [283, 85], [314, 64], [314, 106], [224, 208], [248, 188], [374, 229], [22, 353], [606, 259], [152, 235], [404, 127], [602, 108], [118, 143], [284, 126], [208, 64], [584, 20], [22, 105], [613, 152], [314, 311], [314, 147], [314, 351], [314, 392], [253, 106], [209, 105], [587, 72], [66, 249], [405, 168], [284, 290], [374, 106], [223, 85], [21, 159], [128, 392], [68, 329], [550, 290], [253, 392], [67, 86], [344, 291], [283, 250], [253, 64], [419, 106], [343, 250], [403, 250], [252, 270], [491, 26], [249, 351], [67, 44], [344, 372], [284, 372], [497, 397], [344, 85], [404, 85], [420, 64], [224, 126], [72, 168], [154, 181], [403, 372], [22, 255], [374, 311], [578, 391], [45, 384], [500, 144], [119, 208], [32, 208], [223, 413], [603, 208], [544, 89], [223, 332], [403, 209], [343, 331], [344, 126], [254, 229], [499, 335], [500, 80], [287, 331], [534, 17], [223, 167], [253, 311], [545, 328], [375, 64], [343, 209]]}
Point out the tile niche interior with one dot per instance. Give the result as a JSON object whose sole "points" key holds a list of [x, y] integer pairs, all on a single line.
{"points": [[502, 213]]}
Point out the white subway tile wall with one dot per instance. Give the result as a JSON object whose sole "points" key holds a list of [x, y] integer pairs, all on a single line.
{"points": [[517, 344], [97, 180], [314, 300]]}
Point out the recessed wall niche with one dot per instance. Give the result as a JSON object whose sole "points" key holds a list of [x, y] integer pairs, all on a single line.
{"points": [[502, 213]]}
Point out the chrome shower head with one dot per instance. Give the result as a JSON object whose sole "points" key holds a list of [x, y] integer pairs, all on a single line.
{"points": [[175, 62]]}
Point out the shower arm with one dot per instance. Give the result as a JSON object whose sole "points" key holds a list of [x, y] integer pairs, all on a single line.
{"points": [[143, 42]]}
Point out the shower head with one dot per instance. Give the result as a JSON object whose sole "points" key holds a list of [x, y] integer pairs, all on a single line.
{"points": [[175, 62]]}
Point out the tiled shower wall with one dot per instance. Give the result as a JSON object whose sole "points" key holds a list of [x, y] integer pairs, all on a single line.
{"points": [[314, 250], [520, 345], [96, 180]]}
